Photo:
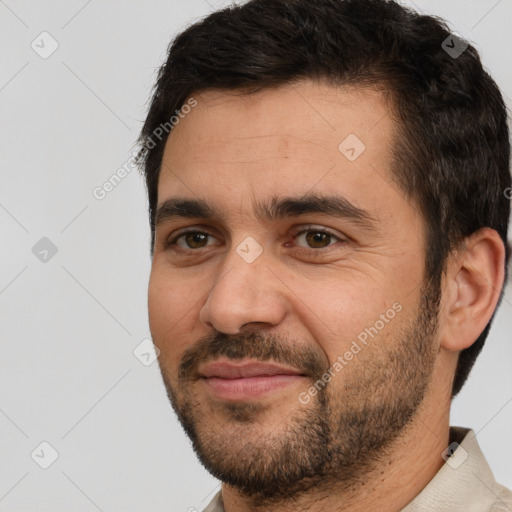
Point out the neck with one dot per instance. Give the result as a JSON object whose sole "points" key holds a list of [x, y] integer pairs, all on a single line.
{"points": [[397, 477]]}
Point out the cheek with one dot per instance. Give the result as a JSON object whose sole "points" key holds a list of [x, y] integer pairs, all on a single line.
{"points": [[341, 311], [171, 312]]}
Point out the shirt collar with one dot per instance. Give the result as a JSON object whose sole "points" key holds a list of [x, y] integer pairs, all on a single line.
{"points": [[465, 481]]}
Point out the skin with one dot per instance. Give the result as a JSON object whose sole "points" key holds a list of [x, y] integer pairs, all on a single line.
{"points": [[236, 150]]}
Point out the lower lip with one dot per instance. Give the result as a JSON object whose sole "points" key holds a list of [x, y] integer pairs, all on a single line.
{"points": [[249, 387]]}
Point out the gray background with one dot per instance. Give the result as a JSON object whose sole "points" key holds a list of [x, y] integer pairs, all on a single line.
{"points": [[69, 325]]}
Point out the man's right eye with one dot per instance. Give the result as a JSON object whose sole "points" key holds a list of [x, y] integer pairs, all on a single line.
{"points": [[191, 240]]}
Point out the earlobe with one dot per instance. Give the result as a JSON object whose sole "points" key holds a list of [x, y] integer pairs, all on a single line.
{"points": [[474, 279]]}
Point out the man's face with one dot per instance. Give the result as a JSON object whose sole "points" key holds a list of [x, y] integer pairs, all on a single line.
{"points": [[270, 289]]}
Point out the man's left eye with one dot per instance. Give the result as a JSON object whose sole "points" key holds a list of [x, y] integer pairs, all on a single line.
{"points": [[317, 238]]}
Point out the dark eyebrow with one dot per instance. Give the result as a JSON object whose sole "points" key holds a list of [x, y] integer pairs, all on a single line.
{"points": [[276, 208], [185, 208], [331, 205]]}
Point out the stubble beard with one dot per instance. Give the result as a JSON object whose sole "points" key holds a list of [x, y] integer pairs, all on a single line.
{"points": [[332, 442]]}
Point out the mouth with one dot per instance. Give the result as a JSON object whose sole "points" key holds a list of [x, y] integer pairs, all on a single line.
{"points": [[247, 380]]}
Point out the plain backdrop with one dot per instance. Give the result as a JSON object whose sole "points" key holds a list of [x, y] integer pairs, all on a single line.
{"points": [[74, 269]]}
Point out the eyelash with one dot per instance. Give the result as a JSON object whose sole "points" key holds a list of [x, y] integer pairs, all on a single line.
{"points": [[307, 229]]}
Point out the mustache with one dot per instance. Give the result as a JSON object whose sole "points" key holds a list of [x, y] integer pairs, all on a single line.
{"points": [[304, 358]]}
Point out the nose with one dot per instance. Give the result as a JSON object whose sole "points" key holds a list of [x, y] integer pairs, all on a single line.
{"points": [[244, 294]]}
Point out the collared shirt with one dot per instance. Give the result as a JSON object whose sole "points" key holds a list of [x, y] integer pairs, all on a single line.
{"points": [[464, 483]]}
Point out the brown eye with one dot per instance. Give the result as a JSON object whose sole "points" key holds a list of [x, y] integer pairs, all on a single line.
{"points": [[318, 239], [192, 240], [196, 240]]}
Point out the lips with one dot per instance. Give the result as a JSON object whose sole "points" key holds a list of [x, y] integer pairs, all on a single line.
{"points": [[247, 381], [231, 370]]}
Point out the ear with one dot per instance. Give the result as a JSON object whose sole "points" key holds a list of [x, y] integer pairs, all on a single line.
{"points": [[472, 287]]}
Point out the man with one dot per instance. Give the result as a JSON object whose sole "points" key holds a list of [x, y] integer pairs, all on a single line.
{"points": [[327, 188]]}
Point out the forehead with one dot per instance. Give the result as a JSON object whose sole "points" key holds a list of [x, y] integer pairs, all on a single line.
{"points": [[290, 139], [306, 111]]}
